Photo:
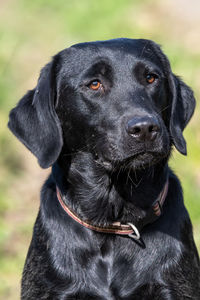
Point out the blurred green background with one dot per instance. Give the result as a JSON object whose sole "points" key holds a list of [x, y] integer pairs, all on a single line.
{"points": [[30, 33]]}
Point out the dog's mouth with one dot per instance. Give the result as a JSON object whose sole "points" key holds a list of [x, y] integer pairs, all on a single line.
{"points": [[140, 160]]}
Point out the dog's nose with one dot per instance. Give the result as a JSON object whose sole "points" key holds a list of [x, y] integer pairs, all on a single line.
{"points": [[143, 128]]}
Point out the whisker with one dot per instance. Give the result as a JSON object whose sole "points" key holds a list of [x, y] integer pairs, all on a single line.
{"points": [[164, 109]]}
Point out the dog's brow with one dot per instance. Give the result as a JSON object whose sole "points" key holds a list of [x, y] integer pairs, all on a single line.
{"points": [[98, 67]]}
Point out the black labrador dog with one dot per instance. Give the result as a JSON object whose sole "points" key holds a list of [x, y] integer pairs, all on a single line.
{"points": [[112, 223]]}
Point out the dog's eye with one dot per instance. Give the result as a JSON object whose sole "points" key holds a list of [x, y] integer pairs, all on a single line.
{"points": [[150, 78], [95, 85]]}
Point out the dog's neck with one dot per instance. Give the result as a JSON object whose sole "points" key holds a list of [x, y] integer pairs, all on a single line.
{"points": [[104, 197]]}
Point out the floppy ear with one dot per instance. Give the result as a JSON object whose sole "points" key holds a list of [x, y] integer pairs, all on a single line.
{"points": [[183, 105], [34, 120], [182, 102]]}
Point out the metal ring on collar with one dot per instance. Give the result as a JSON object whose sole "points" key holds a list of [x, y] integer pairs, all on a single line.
{"points": [[135, 236]]}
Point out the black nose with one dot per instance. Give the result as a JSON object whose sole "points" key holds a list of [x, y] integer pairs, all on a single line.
{"points": [[143, 128]]}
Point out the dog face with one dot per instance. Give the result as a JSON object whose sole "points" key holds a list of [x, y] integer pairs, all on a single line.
{"points": [[116, 99]]}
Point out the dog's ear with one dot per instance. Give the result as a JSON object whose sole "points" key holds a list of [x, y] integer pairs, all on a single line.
{"points": [[183, 105], [34, 120], [182, 102]]}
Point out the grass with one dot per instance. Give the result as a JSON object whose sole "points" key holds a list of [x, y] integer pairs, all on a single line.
{"points": [[30, 33]]}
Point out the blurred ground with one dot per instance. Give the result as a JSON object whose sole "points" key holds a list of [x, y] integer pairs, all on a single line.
{"points": [[30, 33]]}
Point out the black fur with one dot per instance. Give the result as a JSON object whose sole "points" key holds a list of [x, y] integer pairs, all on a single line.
{"points": [[107, 174]]}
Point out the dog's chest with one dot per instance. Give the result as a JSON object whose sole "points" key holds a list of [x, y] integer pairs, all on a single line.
{"points": [[117, 270]]}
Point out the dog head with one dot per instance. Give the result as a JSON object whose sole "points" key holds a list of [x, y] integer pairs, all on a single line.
{"points": [[117, 100]]}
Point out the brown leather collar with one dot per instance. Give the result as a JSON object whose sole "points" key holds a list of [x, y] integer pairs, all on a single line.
{"points": [[117, 228]]}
